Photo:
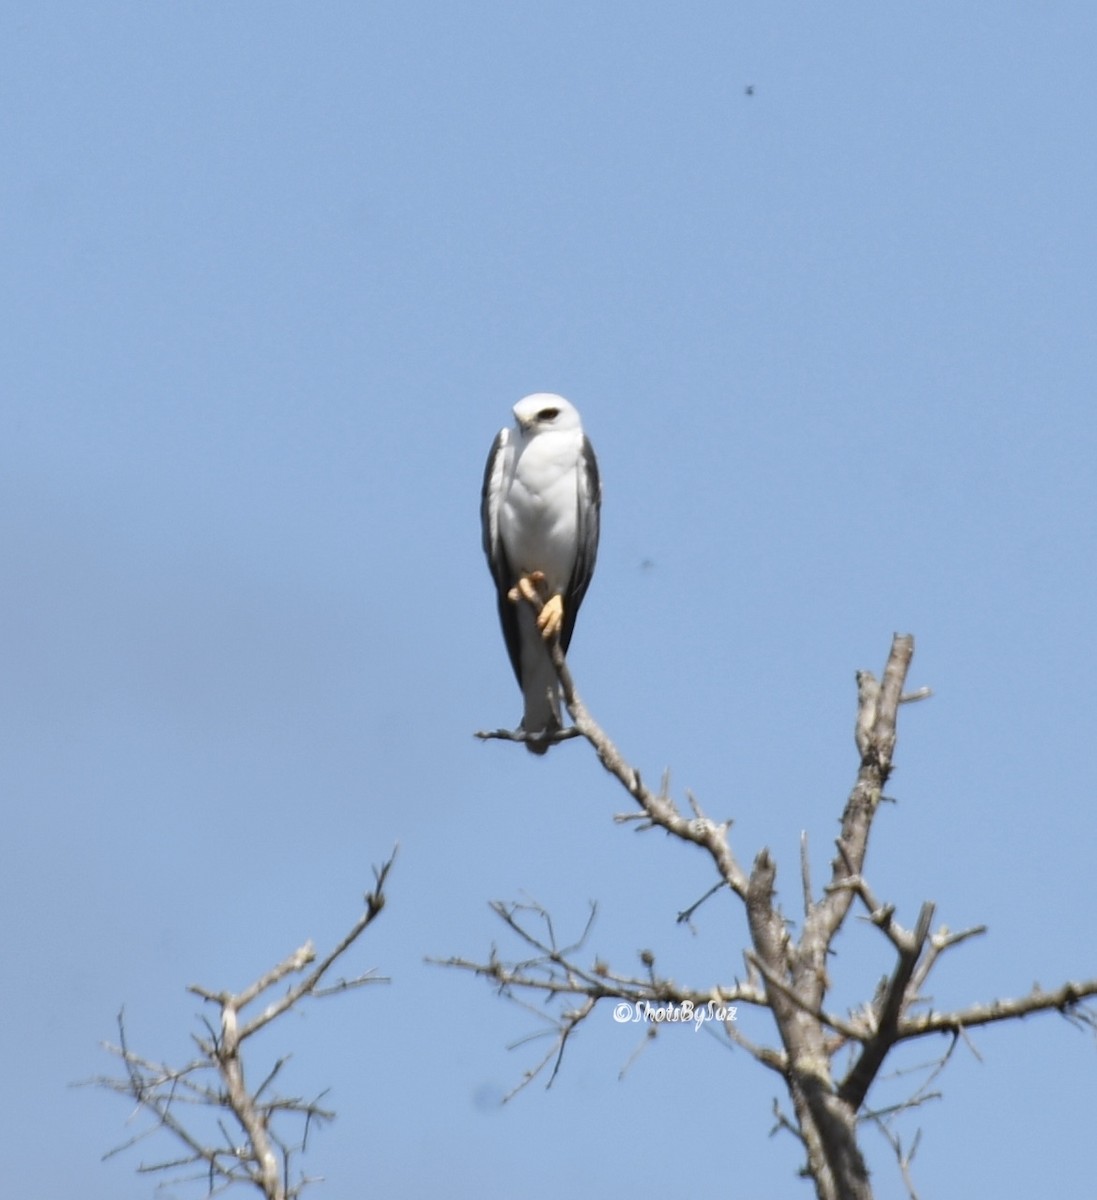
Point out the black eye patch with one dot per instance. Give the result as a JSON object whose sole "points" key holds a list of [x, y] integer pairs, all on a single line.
{"points": [[548, 414]]}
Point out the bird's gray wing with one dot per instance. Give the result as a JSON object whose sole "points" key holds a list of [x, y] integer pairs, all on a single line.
{"points": [[589, 500], [491, 499]]}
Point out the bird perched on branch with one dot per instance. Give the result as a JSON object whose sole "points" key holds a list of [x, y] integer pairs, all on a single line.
{"points": [[540, 508]]}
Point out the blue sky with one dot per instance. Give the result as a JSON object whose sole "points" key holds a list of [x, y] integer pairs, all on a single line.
{"points": [[273, 278]]}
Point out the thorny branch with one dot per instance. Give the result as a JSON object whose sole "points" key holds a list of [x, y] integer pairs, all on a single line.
{"points": [[189, 1102], [788, 974]]}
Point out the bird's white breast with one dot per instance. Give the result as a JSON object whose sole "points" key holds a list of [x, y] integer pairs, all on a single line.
{"points": [[539, 515]]}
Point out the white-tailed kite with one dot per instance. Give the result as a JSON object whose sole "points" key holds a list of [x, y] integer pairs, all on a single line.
{"points": [[540, 509]]}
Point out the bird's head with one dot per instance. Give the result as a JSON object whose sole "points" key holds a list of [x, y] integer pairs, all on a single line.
{"points": [[542, 412]]}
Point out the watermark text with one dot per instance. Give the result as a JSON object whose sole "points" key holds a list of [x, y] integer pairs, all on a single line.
{"points": [[684, 1013]]}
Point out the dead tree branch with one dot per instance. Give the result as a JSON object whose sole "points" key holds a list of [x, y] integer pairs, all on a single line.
{"points": [[211, 1092], [552, 972], [789, 973]]}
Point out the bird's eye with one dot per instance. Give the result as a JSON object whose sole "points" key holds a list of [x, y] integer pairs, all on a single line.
{"points": [[548, 414]]}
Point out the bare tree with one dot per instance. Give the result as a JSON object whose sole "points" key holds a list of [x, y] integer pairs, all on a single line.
{"points": [[827, 1061], [228, 1131]]}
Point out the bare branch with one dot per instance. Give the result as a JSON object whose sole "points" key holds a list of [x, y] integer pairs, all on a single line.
{"points": [[875, 735], [1066, 1000], [938, 944], [566, 1027], [789, 974], [805, 872], [375, 902], [686, 915], [252, 1149], [854, 1087], [903, 1157], [660, 810], [520, 735]]}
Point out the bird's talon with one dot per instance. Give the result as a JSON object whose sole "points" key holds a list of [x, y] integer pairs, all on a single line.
{"points": [[550, 620], [526, 589]]}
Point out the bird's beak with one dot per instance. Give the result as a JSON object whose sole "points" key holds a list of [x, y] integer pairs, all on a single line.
{"points": [[525, 425]]}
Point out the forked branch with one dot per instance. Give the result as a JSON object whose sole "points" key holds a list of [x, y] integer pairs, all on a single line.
{"points": [[229, 1131], [789, 968]]}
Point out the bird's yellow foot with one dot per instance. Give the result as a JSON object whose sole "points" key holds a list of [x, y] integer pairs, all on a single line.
{"points": [[551, 618], [533, 589], [530, 588]]}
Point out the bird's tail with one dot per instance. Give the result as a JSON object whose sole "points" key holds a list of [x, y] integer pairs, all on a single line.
{"points": [[541, 720]]}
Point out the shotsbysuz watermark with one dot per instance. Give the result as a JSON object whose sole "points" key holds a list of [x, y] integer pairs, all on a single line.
{"points": [[685, 1013]]}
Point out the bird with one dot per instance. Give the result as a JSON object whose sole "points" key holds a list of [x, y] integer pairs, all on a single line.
{"points": [[540, 512]]}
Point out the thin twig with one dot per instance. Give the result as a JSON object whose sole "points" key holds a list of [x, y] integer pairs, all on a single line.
{"points": [[253, 1149]]}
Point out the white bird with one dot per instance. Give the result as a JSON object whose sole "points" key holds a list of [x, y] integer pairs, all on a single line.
{"points": [[540, 509]]}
